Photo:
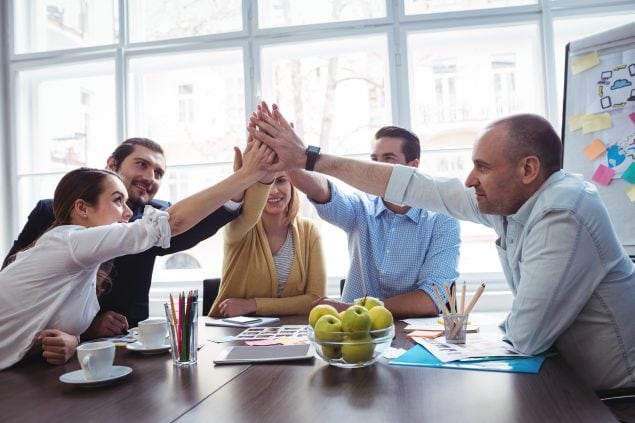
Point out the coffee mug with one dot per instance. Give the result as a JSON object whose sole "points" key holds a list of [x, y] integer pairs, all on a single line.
{"points": [[96, 359], [151, 332]]}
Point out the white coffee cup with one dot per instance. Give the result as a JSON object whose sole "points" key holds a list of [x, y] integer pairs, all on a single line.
{"points": [[151, 332], [96, 359]]}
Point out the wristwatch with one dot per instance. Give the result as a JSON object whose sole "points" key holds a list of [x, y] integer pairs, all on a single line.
{"points": [[312, 154]]}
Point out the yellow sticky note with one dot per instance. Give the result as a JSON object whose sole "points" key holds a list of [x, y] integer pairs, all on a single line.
{"points": [[631, 193], [575, 122], [582, 63], [593, 150], [593, 123]]}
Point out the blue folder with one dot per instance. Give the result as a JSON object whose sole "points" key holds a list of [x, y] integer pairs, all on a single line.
{"points": [[419, 356]]}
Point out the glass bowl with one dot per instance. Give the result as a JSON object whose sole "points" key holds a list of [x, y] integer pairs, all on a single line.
{"points": [[352, 349]]}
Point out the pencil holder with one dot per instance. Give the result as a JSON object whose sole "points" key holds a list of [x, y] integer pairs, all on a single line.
{"points": [[183, 334], [455, 328]]}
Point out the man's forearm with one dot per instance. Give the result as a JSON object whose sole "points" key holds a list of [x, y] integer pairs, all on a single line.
{"points": [[366, 176], [411, 304], [314, 185]]}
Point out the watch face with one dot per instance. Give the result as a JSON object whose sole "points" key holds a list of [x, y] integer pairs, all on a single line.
{"points": [[313, 149]]}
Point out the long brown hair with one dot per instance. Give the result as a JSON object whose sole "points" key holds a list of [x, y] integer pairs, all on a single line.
{"points": [[86, 184]]}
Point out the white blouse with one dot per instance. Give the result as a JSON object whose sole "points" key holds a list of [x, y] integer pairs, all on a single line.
{"points": [[52, 284]]}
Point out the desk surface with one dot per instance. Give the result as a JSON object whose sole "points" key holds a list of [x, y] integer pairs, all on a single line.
{"points": [[307, 391]]}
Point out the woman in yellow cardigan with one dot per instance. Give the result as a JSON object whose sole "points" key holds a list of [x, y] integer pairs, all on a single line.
{"points": [[273, 263]]}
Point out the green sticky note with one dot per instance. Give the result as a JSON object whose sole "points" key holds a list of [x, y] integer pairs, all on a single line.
{"points": [[629, 174]]}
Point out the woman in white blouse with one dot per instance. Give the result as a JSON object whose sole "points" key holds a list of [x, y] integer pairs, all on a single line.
{"points": [[48, 295]]}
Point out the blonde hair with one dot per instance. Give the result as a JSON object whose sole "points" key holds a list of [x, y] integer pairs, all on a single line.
{"points": [[294, 205]]}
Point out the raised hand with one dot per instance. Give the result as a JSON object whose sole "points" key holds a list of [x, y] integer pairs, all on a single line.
{"points": [[274, 130]]}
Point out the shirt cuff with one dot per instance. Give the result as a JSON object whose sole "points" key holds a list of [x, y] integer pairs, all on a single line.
{"points": [[233, 205], [398, 183]]}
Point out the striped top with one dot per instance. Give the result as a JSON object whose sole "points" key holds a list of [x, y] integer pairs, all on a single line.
{"points": [[283, 260]]}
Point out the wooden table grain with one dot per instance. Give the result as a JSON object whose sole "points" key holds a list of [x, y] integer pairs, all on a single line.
{"points": [[308, 391]]}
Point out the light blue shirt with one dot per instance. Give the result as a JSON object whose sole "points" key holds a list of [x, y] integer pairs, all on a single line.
{"points": [[392, 253], [572, 281]]}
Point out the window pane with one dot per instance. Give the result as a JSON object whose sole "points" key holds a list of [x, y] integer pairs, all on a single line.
{"points": [[567, 30], [31, 190], [414, 7], [162, 19], [276, 13], [66, 120], [42, 25], [192, 104], [335, 91], [460, 81], [179, 183]]}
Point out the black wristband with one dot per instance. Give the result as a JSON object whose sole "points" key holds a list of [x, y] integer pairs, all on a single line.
{"points": [[312, 154]]}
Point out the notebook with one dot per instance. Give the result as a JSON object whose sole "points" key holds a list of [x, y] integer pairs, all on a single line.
{"points": [[241, 321], [257, 354]]}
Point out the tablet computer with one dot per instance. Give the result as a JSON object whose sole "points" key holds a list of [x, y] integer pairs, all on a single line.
{"points": [[264, 354]]}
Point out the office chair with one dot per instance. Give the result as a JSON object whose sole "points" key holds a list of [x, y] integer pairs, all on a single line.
{"points": [[210, 292], [620, 401]]}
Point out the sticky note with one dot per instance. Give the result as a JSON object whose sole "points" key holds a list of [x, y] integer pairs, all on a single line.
{"points": [[631, 193], [629, 173], [575, 122], [632, 116], [593, 123], [603, 175], [593, 150], [582, 63]]}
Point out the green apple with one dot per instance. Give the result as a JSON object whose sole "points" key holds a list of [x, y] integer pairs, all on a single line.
{"points": [[328, 328], [319, 311], [380, 318], [341, 314], [357, 350], [332, 351], [368, 302], [356, 319]]}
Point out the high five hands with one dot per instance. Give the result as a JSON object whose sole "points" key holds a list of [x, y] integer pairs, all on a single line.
{"points": [[272, 129]]}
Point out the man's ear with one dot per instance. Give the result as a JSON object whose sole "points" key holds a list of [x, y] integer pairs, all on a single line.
{"points": [[529, 168], [111, 164], [413, 163]]}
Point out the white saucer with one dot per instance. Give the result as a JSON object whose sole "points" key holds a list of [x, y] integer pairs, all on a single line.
{"points": [[140, 348], [77, 377]]}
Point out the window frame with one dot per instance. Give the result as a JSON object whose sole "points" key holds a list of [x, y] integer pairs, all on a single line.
{"points": [[396, 25]]}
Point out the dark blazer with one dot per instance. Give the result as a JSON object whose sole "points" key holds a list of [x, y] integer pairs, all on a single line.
{"points": [[131, 274]]}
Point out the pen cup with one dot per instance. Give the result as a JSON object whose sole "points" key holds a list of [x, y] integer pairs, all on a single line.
{"points": [[455, 328], [183, 329]]}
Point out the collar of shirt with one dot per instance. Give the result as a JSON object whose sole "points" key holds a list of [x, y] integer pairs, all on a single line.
{"points": [[524, 212], [414, 214]]}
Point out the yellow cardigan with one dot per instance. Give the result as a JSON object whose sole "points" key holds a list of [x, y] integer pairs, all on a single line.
{"points": [[249, 270]]}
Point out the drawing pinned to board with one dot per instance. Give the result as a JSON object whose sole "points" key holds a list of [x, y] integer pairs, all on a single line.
{"points": [[620, 155], [614, 78]]}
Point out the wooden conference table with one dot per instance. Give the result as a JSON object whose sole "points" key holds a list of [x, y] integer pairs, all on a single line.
{"points": [[308, 391]]}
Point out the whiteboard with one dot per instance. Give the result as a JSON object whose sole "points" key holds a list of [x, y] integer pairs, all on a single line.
{"points": [[598, 129]]}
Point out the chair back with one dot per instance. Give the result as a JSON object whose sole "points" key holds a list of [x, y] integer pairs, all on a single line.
{"points": [[210, 292]]}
